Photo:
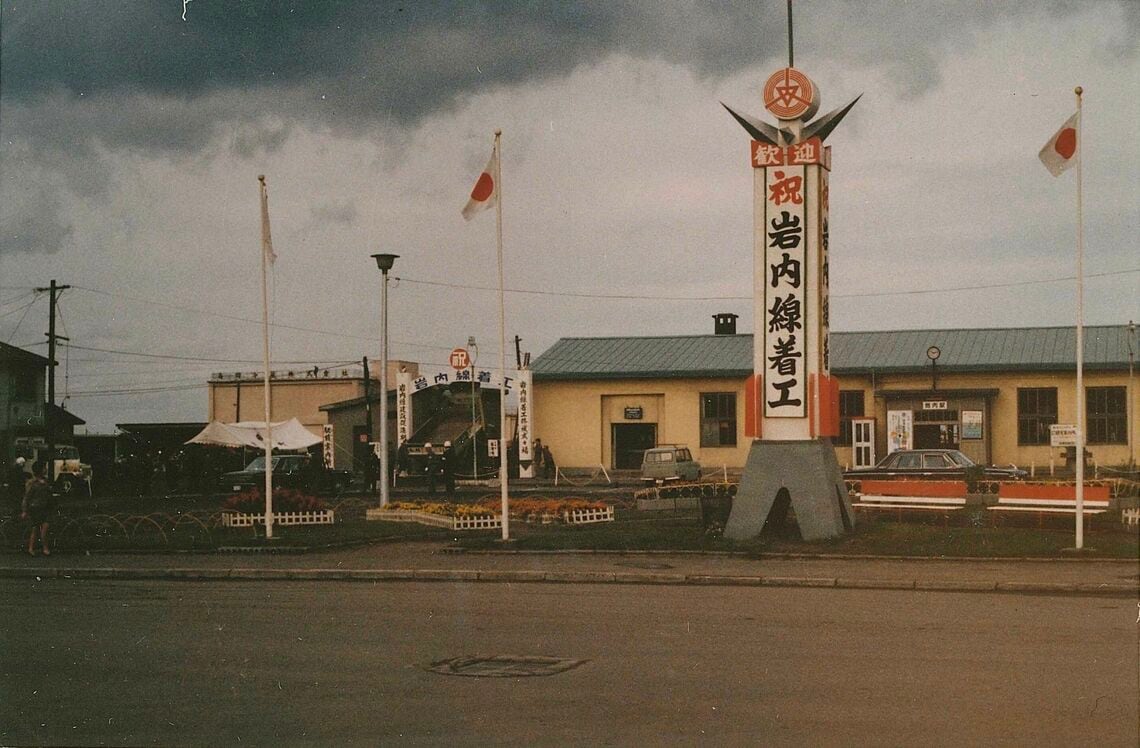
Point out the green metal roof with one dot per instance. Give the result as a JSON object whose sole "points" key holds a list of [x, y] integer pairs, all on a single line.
{"points": [[1004, 349]]}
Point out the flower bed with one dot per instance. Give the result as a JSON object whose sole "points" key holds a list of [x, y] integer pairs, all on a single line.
{"points": [[484, 515], [285, 501], [407, 512]]}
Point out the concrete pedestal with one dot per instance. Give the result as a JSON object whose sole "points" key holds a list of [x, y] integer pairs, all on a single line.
{"points": [[801, 475]]}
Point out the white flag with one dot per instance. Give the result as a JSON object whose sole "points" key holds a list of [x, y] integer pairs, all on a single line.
{"points": [[1061, 150], [266, 239], [486, 192]]}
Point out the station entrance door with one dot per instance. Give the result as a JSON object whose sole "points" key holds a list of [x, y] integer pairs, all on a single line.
{"points": [[630, 440]]}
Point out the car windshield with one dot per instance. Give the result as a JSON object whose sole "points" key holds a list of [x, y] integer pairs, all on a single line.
{"points": [[259, 463], [959, 458]]}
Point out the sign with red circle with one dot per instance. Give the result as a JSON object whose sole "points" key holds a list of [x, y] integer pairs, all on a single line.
{"points": [[460, 359], [789, 95]]}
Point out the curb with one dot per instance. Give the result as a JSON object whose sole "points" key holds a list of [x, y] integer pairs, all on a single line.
{"points": [[1104, 589]]}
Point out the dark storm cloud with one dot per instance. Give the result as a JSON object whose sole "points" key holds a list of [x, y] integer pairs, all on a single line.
{"points": [[351, 66]]}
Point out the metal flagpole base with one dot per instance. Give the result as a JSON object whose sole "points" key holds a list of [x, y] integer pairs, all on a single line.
{"points": [[801, 475]]}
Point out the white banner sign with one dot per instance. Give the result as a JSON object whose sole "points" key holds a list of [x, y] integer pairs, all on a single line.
{"points": [[485, 378], [403, 407], [785, 293], [525, 438]]}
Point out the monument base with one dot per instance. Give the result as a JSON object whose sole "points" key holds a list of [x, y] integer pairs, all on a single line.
{"points": [[801, 475]]}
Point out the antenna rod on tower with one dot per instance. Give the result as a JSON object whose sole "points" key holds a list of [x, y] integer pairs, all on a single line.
{"points": [[791, 51]]}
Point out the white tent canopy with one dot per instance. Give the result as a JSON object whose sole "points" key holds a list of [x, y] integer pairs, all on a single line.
{"points": [[287, 435]]}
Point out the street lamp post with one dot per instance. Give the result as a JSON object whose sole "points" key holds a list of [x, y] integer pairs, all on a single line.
{"points": [[473, 350], [384, 262]]}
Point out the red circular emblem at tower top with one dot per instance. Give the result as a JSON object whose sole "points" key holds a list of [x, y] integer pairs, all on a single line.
{"points": [[789, 94]]}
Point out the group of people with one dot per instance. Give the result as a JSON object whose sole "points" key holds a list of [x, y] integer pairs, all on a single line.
{"points": [[440, 469], [544, 464], [36, 501]]}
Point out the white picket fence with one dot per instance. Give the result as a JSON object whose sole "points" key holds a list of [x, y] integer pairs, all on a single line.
{"points": [[589, 516], [480, 522], [238, 519]]}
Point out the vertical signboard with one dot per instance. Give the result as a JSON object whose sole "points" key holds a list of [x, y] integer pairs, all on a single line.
{"points": [[403, 407], [784, 368], [824, 277], [327, 451], [526, 416]]}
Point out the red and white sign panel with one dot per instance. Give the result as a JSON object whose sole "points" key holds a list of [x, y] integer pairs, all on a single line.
{"points": [[785, 293], [459, 359], [811, 151]]}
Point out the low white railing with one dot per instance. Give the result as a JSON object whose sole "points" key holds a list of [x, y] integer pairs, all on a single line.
{"points": [[238, 519], [478, 522], [588, 516]]}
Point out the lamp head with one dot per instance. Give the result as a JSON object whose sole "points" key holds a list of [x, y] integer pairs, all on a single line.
{"points": [[385, 261]]}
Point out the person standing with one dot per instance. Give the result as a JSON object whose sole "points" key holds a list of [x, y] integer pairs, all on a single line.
{"points": [[447, 469], [432, 468], [548, 465], [38, 506], [539, 472]]}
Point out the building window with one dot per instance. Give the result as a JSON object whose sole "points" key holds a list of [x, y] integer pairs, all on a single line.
{"points": [[850, 406], [1036, 412], [718, 419], [1107, 415]]}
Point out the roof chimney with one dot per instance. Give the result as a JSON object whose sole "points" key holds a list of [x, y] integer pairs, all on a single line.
{"points": [[724, 324]]}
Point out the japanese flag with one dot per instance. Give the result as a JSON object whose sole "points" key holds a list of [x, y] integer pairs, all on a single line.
{"points": [[1061, 150], [486, 192]]}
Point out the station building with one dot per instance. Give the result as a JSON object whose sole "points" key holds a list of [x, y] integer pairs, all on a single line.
{"points": [[992, 393]]}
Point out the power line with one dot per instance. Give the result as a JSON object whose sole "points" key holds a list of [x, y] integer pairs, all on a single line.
{"points": [[235, 318], [648, 297], [194, 358]]}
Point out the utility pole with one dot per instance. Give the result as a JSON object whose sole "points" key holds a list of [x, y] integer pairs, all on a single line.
{"points": [[518, 352], [49, 416], [368, 407]]}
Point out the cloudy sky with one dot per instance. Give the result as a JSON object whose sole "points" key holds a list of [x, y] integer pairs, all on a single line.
{"points": [[132, 134]]}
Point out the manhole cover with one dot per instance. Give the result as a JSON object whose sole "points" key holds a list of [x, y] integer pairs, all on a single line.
{"points": [[503, 666], [643, 565]]}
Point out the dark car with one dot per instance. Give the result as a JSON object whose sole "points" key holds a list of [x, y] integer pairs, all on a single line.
{"points": [[289, 471], [932, 463]]}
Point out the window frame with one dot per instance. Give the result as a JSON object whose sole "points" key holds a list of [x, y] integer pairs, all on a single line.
{"points": [[1107, 425], [1036, 419], [845, 438], [721, 429]]}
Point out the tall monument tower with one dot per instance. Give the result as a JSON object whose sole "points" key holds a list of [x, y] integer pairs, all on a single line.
{"points": [[791, 400]]}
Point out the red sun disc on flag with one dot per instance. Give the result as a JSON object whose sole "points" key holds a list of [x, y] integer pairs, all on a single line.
{"points": [[483, 188], [1066, 144]]}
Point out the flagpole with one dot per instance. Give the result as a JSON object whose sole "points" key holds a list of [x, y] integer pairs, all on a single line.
{"points": [[1080, 330], [266, 251], [502, 341]]}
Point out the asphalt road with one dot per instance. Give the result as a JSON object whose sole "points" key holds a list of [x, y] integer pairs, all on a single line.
{"points": [[335, 663]]}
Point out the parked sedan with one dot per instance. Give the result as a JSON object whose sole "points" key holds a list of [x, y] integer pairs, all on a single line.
{"points": [[932, 463], [289, 471]]}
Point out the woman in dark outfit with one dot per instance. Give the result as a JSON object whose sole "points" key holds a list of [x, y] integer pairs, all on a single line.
{"points": [[39, 506]]}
